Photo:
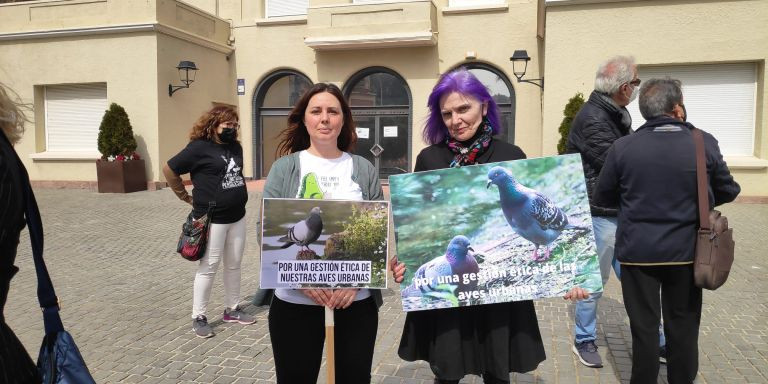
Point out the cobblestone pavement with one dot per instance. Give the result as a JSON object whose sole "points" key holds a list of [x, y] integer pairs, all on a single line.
{"points": [[126, 297]]}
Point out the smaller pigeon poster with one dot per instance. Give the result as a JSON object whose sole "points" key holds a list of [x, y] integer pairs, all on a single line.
{"points": [[324, 244], [492, 233]]}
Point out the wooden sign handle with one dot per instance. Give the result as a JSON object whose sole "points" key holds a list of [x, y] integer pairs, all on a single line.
{"points": [[330, 361]]}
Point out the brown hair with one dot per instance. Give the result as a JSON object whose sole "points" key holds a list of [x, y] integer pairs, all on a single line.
{"points": [[12, 116], [296, 138], [205, 126]]}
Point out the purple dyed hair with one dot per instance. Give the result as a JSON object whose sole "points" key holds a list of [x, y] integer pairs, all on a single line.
{"points": [[462, 81]]}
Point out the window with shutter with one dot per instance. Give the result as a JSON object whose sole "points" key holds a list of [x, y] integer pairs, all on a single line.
{"points": [[278, 8], [72, 116], [718, 98]]}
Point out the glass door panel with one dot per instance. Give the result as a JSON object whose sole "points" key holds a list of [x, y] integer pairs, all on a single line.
{"points": [[271, 127], [366, 137], [393, 137]]}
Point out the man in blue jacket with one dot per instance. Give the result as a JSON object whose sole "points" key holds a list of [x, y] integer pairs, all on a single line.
{"points": [[651, 176]]}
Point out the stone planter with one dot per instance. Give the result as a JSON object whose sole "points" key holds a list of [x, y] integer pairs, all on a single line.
{"points": [[121, 176]]}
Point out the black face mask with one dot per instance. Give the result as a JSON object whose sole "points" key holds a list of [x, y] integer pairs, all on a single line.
{"points": [[228, 135]]}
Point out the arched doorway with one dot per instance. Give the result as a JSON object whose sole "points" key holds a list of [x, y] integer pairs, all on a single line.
{"points": [[381, 104], [503, 94], [273, 100]]}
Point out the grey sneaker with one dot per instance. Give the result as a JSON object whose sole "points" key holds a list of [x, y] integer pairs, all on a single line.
{"points": [[587, 353], [201, 327], [237, 316]]}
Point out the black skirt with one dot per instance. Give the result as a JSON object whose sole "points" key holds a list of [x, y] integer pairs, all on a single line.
{"points": [[493, 339]]}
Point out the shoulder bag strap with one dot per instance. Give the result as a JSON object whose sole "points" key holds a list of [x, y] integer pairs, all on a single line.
{"points": [[701, 179], [45, 292]]}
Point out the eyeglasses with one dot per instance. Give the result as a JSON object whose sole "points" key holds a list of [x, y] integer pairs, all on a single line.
{"points": [[635, 82]]}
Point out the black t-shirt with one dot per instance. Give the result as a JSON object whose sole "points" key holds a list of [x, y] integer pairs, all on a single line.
{"points": [[206, 162]]}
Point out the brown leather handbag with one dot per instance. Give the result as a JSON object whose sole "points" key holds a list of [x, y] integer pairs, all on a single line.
{"points": [[714, 242]]}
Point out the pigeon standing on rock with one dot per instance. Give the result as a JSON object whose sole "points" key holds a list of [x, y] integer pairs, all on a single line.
{"points": [[456, 261], [304, 232], [532, 215]]}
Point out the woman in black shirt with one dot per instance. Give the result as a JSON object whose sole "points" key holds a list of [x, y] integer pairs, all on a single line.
{"points": [[214, 160]]}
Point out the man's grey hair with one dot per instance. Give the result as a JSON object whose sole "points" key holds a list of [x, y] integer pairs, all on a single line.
{"points": [[659, 96], [613, 73]]}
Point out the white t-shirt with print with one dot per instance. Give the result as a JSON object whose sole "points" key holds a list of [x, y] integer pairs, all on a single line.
{"points": [[327, 178], [324, 179]]}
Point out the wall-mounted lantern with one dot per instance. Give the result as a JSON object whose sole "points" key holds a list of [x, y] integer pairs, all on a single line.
{"points": [[520, 61], [184, 68]]}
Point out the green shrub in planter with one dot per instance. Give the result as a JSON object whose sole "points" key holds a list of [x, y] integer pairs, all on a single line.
{"points": [[570, 111], [116, 140]]}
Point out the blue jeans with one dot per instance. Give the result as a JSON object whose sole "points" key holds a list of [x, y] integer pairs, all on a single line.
{"points": [[585, 314]]}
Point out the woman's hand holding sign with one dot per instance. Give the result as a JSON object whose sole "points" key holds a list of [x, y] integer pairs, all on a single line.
{"points": [[342, 298], [321, 296], [398, 270], [333, 299]]}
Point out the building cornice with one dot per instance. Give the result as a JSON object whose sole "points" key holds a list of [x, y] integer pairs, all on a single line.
{"points": [[556, 3], [118, 29], [347, 5], [372, 41]]}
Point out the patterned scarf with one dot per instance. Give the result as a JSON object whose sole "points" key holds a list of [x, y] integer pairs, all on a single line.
{"points": [[468, 155]]}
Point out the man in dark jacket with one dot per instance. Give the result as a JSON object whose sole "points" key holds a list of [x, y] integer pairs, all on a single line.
{"points": [[651, 176], [600, 122]]}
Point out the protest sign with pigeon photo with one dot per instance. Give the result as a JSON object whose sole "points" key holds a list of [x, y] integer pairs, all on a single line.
{"points": [[324, 243], [492, 233]]}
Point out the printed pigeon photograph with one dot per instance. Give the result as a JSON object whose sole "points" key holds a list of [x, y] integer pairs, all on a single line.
{"points": [[307, 243], [491, 233]]}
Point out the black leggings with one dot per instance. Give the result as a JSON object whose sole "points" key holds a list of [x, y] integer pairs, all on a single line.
{"points": [[297, 333]]}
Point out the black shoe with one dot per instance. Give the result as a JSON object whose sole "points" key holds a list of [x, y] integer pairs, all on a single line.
{"points": [[663, 354]]}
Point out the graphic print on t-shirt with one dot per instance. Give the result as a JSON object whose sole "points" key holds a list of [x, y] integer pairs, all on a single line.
{"points": [[232, 178], [310, 188], [329, 182]]}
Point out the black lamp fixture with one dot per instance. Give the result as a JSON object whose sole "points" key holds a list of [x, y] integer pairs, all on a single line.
{"points": [[184, 67], [520, 59]]}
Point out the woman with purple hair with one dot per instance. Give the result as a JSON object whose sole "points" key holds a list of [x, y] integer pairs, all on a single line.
{"points": [[488, 340]]}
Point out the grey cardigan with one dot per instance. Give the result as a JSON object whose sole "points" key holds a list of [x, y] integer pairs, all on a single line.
{"points": [[283, 182]]}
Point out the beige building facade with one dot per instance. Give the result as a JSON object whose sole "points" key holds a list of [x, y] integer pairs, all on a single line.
{"points": [[68, 57]]}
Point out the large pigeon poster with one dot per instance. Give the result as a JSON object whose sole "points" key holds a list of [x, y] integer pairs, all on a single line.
{"points": [[324, 243], [491, 233]]}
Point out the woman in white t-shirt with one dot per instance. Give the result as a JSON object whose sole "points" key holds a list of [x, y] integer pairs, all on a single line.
{"points": [[316, 143]]}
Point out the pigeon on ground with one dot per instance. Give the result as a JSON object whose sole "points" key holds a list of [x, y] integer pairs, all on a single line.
{"points": [[304, 232], [456, 261], [532, 215]]}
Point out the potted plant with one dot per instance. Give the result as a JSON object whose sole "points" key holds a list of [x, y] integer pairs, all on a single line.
{"points": [[120, 169]]}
